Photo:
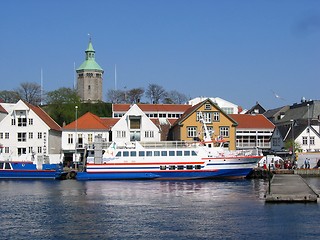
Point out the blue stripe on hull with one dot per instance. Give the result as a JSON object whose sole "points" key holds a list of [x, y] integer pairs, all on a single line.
{"points": [[225, 173], [29, 174]]}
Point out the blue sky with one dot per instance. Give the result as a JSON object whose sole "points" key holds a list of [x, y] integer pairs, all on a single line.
{"points": [[239, 50]]}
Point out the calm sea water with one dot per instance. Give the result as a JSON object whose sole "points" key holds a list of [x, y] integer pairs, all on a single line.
{"points": [[151, 210]]}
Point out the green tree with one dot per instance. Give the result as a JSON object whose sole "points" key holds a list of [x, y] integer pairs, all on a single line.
{"points": [[62, 95], [61, 105]]}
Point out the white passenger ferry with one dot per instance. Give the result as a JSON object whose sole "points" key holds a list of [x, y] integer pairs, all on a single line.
{"points": [[168, 160]]}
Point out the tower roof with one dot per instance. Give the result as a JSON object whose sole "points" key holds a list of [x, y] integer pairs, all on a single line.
{"points": [[90, 62]]}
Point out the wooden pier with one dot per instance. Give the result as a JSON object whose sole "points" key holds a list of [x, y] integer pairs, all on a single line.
{"points": [[289, 188]]}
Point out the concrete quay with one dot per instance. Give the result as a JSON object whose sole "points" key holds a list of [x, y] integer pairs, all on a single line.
{"points": [[289, 188]]}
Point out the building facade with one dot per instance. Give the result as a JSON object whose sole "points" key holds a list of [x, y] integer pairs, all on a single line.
{"points": [[219, 124], [27, 132]]}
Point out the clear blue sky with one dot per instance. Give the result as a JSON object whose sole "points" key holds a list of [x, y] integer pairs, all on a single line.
{"points": [[241, 51]]}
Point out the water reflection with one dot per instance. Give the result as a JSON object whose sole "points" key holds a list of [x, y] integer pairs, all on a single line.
{"points": [[148, 209]]}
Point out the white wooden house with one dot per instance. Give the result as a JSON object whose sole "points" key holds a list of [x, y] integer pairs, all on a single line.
{"points": [[27, 132], [135, 125]]}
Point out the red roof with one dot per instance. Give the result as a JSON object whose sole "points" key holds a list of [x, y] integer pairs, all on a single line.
{"points": [[252, 121], [152, 107], [2, 109], [44, 117], [89, 121]]}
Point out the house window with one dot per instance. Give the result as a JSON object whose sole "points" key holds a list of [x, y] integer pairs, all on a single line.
{"points": [[22, 151], [30, 121], [216, 116], [304, 140], [80, 140], [13, 122], [207, 117], [149, 134], [121, 134], [1, 135], [70, 138], [39, 149], [39, 135], [22, 137], [6, 149], [191, 132], [135, 123], [311, 140], [30, 149], [6, 135], [22, 122], [90, 138], [224, 131], [30, 135], [210, 130], [207, 106], [227, 110]]}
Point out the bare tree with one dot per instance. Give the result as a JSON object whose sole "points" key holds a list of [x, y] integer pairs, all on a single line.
{"points": [[30, 92], [9, 96], [155, 93], [175, 97], [134, 95], [116, 96]]}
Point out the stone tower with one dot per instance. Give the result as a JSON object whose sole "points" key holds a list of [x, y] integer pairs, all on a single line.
{"points": [[89, 78]]}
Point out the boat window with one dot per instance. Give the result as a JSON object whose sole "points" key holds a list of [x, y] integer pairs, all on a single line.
{"points": [[141, 153], [180, 167], [149, 153], [197, 167], [126, 153], [118, 154], [156, 153], [189, 166], [7, 166], [163, 167], [171, 153], [164, 153], [133, 154], [179, 153], [186, 153], [172, 167], [1, 165], [193, 153]]}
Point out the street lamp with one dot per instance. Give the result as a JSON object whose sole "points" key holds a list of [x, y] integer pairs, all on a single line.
{"points": [[76, 137], [308, 128]]}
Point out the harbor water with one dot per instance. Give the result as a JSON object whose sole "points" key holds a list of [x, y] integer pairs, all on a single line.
{"points": [[233, 209]]}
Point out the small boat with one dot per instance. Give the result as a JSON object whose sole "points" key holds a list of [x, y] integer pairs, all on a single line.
{"points": [[29, 170], [167, 160]]}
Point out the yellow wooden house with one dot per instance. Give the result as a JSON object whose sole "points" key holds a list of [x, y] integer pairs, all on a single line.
{"points": [[220, 125]]}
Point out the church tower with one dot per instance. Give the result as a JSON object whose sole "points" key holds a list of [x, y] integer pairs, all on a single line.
{"points": [[89, 78]]}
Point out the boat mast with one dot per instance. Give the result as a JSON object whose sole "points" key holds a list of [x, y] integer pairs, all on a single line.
{"points": [[206, 137]]}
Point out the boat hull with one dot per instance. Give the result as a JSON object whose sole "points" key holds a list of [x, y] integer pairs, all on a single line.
{"points": [[165, 175], [28, 170], [38, 174]]}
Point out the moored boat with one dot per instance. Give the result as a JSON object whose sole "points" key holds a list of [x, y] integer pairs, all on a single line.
{"points": [[168, 160], [29, 170]]}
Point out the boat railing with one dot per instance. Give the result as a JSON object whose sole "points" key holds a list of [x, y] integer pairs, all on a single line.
{"points": [[168, 144], [247, 152]]}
